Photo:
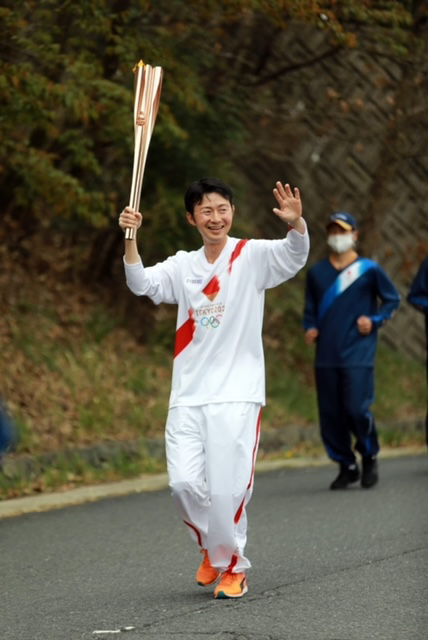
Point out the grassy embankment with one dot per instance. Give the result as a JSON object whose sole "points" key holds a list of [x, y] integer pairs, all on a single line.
{"points": [[74, 376]]}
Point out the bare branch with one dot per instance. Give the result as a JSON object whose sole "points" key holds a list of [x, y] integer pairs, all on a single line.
{"points": [[299, 65]]}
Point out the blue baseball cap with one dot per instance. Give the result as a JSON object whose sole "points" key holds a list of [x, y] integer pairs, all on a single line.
{"points": [[343, 219]]}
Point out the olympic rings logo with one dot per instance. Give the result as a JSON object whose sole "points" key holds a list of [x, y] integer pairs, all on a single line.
{"points": [[213, 321]]}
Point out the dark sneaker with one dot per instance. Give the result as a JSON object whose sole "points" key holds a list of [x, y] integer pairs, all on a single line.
{"points": [[347, 475], [370, 475]]}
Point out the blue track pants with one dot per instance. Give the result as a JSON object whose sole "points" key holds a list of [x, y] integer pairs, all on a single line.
{"points": [[344, 399]]}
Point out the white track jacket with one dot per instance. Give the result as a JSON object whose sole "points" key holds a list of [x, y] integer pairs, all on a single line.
{"points": [[218, 348]]}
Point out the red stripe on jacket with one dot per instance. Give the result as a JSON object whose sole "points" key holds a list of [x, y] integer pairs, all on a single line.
{"points": [[184, 334], [236, 252]]}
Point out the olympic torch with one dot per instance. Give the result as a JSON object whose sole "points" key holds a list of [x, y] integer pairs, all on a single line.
{"points": [[148, 87]]}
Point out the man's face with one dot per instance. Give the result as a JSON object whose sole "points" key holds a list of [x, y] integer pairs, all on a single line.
{"points": [[213, 218], [341, 240]]}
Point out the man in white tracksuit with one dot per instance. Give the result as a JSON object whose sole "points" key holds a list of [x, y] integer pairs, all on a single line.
{"points": [[218, 381]]}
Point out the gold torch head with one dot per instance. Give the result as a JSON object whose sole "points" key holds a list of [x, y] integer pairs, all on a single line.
{"points": [[139, 64]]}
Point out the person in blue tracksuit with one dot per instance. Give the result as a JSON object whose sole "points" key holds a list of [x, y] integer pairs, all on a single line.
{"points": [[418, 297], [342, 317], [7, 431]]}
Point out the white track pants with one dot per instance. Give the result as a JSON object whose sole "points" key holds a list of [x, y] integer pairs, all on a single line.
{"points": [[211, 453]]}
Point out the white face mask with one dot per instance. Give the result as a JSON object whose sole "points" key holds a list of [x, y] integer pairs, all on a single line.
{"points": [[341, 242]]}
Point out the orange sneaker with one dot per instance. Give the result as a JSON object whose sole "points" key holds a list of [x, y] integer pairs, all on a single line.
{"points": [[206, 574], [231, 585]]}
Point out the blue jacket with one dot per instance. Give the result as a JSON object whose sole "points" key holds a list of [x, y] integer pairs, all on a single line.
{"points": [[339, 343], [418, 294], [7, 432]]}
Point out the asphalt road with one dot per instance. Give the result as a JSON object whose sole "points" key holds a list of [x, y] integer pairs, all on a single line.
{"points": [[349, 565]]}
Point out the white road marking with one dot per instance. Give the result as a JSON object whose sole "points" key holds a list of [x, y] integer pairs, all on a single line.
{"points": [[101, 631]]}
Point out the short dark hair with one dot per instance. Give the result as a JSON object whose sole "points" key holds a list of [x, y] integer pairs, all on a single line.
{"points": [[196, 191]]}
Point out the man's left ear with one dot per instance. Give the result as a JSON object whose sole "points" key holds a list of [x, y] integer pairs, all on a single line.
{"points": [[355, 234]]}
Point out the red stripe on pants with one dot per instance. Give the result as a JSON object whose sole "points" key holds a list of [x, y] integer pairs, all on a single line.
{"points": [[232, 563], [192, 526], [240, 511]]}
